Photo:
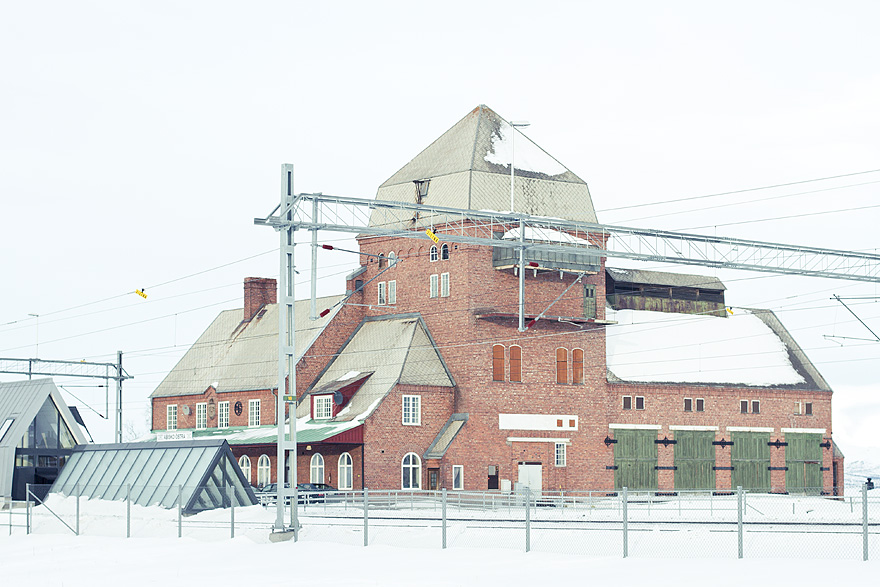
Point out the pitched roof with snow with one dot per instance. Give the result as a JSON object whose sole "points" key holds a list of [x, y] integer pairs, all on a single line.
{"points": [[664, 278], [241, 356], [469, 167], [749, 348], [392, 350]]}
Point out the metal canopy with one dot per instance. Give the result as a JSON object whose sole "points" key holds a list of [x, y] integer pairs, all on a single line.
{"points": [[399, 219]]}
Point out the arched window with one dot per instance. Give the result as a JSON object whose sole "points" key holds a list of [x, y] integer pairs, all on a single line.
{"points": [[392, 258], [383, 261], [577, 366], [245, 464], [498, 362], [317, 469], [444, 252], [345, 471], [411, 472], [515, 363], [561, 365], [433, 253], [263, 470]]}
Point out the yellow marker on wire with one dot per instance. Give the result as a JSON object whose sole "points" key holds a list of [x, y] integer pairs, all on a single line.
{"points": [[432, 236], [141, 293]]}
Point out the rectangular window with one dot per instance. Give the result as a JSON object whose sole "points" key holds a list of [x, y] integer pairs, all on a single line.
{"points": [[498, 362], [392, 292], [223, 415], [457, 477], [381, 289], [561, 365], [627, 402], [434, 285], [743, 406], [701, 404], [688, 404], [254, 412], [516, 363], [560, 454], [201, 416], [808, 409], [412, 410], [444, 285], [171, 417], [640, 402], [589, 300], [577, 366], [323, 407], [756, 406]]}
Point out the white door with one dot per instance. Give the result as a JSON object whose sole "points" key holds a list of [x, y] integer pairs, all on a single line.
{"points": [[530, 476]]}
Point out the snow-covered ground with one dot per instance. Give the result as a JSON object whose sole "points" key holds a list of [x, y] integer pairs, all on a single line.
{"points": [[575, 546]]}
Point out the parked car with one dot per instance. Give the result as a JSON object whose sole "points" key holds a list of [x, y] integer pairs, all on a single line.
{"points": [[269, 493], [313, 492]]}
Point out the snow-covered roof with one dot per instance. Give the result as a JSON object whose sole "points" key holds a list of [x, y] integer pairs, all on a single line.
{"points": [[233, 355], [469, 167], [547, 235], [748, 348], [665, 278]]}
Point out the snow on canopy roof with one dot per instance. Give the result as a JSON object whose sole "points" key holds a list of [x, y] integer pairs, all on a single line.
{"points": [[546, 235], [665, 278], [469, 167], [742, 349]]}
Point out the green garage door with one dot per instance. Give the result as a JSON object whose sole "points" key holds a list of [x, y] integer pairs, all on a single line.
{"points": [[803, 457], [635, 456], [750, 458], [694, 459]]}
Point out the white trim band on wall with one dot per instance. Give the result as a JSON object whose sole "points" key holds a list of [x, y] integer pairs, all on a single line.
{"points": [[635, 426], [537, 439], [803, 430], [749, 429], [695, 428]]}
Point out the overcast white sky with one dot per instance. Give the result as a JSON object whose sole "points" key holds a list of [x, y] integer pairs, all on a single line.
{"points": [[138, 140]]}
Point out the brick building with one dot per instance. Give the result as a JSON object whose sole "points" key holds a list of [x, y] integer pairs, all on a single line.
{"points": [[420, 379]]}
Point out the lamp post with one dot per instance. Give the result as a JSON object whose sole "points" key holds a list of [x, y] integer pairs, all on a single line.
{"points": [[513, 126]]}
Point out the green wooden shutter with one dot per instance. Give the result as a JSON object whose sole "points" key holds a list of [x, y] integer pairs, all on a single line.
{"points": [[750, 457], [635, 456], [803, 457], [694, 459]]}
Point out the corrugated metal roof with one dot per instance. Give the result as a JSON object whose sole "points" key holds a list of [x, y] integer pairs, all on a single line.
{"points": [[396, 349], [446, 435], [469, 167], [241, 356], [665, 278], [157, 473], [20, 401]]}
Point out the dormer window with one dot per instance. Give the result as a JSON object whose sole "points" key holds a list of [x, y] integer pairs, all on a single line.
{"points": [[322, 407]]}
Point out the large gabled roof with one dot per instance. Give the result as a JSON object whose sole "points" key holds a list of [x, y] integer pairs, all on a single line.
{"points": [[20, 401], [241, 356], [469, 168]]}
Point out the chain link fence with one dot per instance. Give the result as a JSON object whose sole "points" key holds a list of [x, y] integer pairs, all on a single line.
{"points": [[594, 524]]}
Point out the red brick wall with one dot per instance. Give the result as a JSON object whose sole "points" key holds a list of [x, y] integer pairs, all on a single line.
{"points": [[267, 408], [258, 291]]}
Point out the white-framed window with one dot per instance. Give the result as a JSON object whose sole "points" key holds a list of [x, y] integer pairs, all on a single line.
{"points": [[264, 468], [808, 408], [433, 256], [245, 464], [412, 410], [254, 412], [381, 290], [640, 402], [411, 472], [316, 471], [392, 258], [700, 404], [457, 477], [444, 252], [561, 454], [171, 417], [201, 416], [743, 406], [688, 404], [392, 292], [444, 285], [756, 406], [434, 287], [323, 407], [345, 475], [222, 414], [627, 402]]}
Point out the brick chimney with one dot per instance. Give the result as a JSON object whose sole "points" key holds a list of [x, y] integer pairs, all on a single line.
{"points": [[258, 291]]}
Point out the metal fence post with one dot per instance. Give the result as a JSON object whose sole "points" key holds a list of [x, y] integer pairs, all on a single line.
{"points": [[231, 493], [27, 508], [865, 522], [624, 504], [443, 510], [128, 510], [366, 516], [528, 495], [739, 520], [179, 511]]}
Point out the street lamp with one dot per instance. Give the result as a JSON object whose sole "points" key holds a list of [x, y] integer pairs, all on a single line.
{"points": [[513, 126]]}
